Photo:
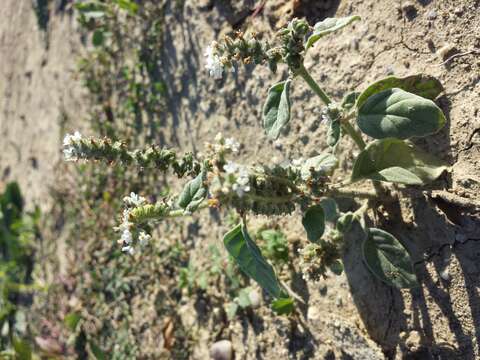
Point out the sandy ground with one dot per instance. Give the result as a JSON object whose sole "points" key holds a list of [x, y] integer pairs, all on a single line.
{"points": [[439, 320]]}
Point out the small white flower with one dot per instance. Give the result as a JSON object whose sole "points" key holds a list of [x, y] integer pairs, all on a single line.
{"points": [[232, 144], [144, 238], [126, 236], [230, 167], [134, 200], [214, 64], [70, 139], [297, 162], [71, 151], [128, 249]]}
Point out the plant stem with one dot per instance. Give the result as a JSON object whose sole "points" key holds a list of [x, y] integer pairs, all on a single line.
{"points": [[347, 127], [181, 212], [349, 193], [313, 84], [354, 134]]}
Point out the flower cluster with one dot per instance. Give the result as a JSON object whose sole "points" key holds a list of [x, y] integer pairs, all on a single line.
{"points": [[214, 64], [316, 258], [71, 146], [126, 239], [330, 113], [241, 177]]}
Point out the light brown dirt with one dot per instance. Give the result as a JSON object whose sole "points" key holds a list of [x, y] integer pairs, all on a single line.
{"points": [[351, 316]]}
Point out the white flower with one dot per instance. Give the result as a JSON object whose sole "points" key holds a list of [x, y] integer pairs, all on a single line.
{"points": [[144, 238], [214, 64], [128, 249], [126, 236], [230, 167], [232, 144], [71, 151], [69, 139], [134, 200], [297, 162]]}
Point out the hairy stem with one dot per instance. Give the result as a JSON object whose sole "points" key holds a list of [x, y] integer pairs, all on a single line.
{"points": [[313, 84]]}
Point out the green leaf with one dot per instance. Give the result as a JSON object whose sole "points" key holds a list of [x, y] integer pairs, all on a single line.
{"points": [[336, 267], [318, 166], [314, 222], [422, 85], [128, 6], [283, 306], [333, 133], [250, 260], [97, 37], [71, 320], [396, 161], [386, 258], [350, 100], [97, 352], [193, 193], [243, 298], [231, 310], [23, 351], [276, 111], [330, 209], [344, 222], [400, 114], [328, 26]]}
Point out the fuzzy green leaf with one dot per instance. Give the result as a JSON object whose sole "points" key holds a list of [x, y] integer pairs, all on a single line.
{"points": [[71, 320], [344, 222], [276, 111], [193, 193], [400, 114], [422, 85], [314, 222], [333, 133], [283, 306], [319, 165], [350, 100], [330, 209], [97, 351], [22, 348], [386, 258], [250, 260], [394, 160], [328, 26]]}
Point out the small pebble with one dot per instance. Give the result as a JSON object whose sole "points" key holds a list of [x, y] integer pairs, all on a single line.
{"points": [[445, 274], [458, 11], [222, 350], [431, 15], [255, 299], [445, 51]]}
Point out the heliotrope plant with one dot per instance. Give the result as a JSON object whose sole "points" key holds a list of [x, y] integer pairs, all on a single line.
{"points": [[391, 111]]}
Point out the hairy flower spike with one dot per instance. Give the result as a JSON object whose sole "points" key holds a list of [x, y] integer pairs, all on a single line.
{"points": [[77, 147], [213, 62]]}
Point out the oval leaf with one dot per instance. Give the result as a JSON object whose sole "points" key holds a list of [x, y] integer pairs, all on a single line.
{"points": [[283, 306], [328, 26], [400, 114], [350, 100], [193, 193], [319, 165], [394, 160], [333, 133], [386, 258], [330, 209], [422, 85], [314, 222], [250, 260], [276, 111]]}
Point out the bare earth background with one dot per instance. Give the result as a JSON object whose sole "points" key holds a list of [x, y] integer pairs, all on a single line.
{"points": [[351, 316]]}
